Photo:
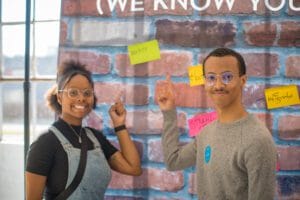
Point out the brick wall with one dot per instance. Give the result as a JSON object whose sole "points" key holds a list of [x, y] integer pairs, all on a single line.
{"points": [[268, 40]]}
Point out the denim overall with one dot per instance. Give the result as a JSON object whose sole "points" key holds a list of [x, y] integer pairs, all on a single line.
{"points": [[97, 173]]}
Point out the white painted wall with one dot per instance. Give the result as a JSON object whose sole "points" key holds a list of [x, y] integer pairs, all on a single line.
{"points": [[11, 171]]}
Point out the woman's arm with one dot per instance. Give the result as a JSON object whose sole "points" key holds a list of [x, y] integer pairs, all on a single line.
{"points": [[127, 160], [35, 185]]}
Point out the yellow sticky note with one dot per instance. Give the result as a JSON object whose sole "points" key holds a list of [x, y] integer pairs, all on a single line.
{"points": [[144, 52], [196, 75], [282, 96]]}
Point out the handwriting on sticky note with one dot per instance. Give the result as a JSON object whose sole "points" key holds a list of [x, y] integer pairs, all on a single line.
{"points": [[282, 96], [144, 52], [196, 75], [198, 122]]}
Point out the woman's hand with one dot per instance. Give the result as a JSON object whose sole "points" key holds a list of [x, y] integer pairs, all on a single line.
{"points": [[117, 113]]}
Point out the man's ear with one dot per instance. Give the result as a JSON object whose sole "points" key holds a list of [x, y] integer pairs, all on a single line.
{"points": [[244, 79]]}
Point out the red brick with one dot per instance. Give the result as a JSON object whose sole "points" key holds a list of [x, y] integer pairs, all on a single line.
{"points": [[187, 96], [84, 8], [262, 34], [296, 4], [192, 183], [289, 34], [195, 33], [132, 94], [261, 64], [288, 157], [96, 63], [267, 119], [94, 120], [149, 10], [151, 178], [289, 127], [63, 32], [155, 152], [254, 96], [150, 122], [174, 63], [292, 67]]}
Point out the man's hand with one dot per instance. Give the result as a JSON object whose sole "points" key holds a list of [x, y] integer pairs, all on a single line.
{"points": [[166, 95]]}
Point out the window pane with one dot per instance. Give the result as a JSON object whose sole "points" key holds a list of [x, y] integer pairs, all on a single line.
{"points": [[13, 47], [47, 9], [43, 116], [12, 111], [46, 49], [13, 10]]}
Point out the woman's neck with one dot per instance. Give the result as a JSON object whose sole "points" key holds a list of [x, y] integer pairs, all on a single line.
{"points": [[74, 122]]}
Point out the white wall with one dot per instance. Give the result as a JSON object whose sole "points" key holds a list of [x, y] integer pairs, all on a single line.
{"points": [[11, 171]]}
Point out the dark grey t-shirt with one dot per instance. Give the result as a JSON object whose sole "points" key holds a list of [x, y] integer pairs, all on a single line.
{"points": [[233, 161]]}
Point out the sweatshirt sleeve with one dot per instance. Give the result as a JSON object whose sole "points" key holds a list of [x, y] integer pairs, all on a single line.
{"points": [[176, 157], [260, 161]]}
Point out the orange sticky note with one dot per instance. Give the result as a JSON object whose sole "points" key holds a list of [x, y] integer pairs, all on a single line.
{"points": [[282, 96], [196, 75]]}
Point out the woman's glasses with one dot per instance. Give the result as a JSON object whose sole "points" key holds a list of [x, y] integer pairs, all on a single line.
{"points": [[73, 93], [226, 78]]}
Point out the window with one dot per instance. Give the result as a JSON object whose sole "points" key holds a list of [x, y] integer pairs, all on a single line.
{"points": [[44, 40]]}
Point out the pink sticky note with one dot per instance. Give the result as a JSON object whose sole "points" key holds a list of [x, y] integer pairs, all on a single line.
{"points": [[197, 123]]}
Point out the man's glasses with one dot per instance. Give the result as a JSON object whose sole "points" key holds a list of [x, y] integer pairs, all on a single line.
{"points": [[73, 93], [226, 78]]}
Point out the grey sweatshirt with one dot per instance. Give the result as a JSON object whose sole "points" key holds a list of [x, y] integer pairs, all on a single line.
{"points": [[234, 161]]}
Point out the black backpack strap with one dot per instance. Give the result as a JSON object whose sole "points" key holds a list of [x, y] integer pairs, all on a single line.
{"points": [[80, 171]]}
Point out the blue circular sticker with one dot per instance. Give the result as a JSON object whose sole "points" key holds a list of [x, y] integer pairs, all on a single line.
{"points": [[207, 154]]}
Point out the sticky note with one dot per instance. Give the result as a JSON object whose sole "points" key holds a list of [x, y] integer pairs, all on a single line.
{"points": [[196, 75], [144, 52], [198, 122], [282, 96]]}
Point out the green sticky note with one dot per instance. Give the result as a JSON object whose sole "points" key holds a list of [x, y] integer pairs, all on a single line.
{"points": [[144, 52], [196, 75]]}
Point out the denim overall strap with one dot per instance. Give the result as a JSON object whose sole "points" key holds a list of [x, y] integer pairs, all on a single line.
{"points": [[97, 174], [63, 140], [91, 136]]}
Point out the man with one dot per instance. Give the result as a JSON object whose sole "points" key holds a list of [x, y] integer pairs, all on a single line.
{"points": [[235, 155]]}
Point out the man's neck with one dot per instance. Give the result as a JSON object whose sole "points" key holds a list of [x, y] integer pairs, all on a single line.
{"points": [[228, 115]]}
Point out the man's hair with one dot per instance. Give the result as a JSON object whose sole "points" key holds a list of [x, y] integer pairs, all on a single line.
{"points": [[221, 52]]}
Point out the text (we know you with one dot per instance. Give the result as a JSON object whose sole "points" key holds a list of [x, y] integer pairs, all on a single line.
{"points": [[138, 5]]}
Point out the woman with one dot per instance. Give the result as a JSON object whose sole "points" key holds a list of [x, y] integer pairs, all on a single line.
{"points": [[53, 159]]}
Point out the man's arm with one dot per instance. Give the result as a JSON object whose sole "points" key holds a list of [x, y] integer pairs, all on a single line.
{"points": [[260, 160], [176, 157]]}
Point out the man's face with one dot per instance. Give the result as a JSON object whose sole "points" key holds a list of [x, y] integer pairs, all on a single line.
{"points": [[222, 81]]}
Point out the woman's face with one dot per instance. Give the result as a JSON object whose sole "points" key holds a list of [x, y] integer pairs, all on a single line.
{"points": [[76, 99]]}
